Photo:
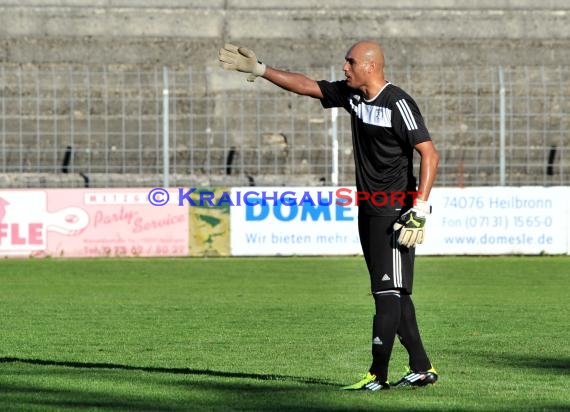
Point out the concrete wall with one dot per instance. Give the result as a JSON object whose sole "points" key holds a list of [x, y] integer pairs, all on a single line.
{"points": [[296, 32], [286, 34]]}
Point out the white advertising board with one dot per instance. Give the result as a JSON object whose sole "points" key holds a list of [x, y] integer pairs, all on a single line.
{"points": [[497, 220], [309, 222], [465, 221]]}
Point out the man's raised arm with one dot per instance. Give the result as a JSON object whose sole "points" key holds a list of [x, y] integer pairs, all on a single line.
{"points": [[244, 60]]}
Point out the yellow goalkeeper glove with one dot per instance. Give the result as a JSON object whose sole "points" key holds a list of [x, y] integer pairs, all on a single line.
{"points": [[411, 224], [241, 59]]}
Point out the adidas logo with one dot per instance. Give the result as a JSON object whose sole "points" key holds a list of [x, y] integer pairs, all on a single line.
{"points": [[385, 277], [377, 341]]}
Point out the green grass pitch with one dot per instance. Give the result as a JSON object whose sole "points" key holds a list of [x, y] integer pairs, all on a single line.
{"points": [[276, 334]]}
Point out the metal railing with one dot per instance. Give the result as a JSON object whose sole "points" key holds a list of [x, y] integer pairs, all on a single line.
{"points": [[108, 124]]}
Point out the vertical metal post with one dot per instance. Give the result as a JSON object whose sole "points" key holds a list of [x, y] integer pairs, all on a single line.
{"points": [[502, 135], [548, 113], [89, 124], [20, 122], [445, 134], [191, 122], [38, 126], [334, 137], [106, 102], [124, 124], [3, 97], [562, 167], [165, 132], [173, 131], [140, 117], [71, 119]]}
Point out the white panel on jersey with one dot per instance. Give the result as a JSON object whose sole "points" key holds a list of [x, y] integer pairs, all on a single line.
{"points": [[374, 115]]}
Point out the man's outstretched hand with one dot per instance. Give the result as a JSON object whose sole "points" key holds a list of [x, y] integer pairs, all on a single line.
{"points": [[241, 59]]}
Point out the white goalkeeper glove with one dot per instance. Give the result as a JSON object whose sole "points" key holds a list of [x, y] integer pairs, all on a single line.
{"points": [[241, 59], [411, 224]]}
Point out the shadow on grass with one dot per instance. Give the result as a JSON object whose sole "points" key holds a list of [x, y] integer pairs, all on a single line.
{"points": [[543, 362], [178, 371], [24, 397], [285, 393], [219, 397], [90, 386], [539, 363]]}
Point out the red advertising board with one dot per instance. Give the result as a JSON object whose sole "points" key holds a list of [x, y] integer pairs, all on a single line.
{"points": [[90, 223]]}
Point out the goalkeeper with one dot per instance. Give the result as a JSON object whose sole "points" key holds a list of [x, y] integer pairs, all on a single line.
{"points": [[387, 128]]}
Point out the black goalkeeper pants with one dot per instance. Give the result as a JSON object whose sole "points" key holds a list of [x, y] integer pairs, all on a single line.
{"points": [[390, 265]]}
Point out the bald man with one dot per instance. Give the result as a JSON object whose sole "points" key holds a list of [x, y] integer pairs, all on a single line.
{"points": [[387, 127]]}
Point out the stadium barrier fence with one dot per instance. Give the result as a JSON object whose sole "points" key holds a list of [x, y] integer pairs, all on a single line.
{"points": [[270, 221]]}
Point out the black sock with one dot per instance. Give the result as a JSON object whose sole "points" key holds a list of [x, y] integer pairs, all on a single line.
{"points": [[409, 335], [384, 329]]}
